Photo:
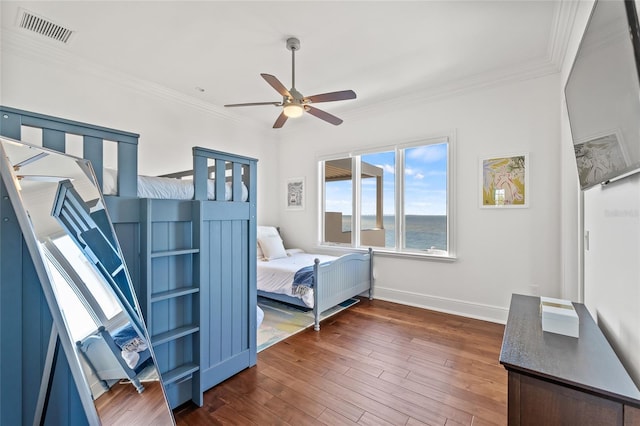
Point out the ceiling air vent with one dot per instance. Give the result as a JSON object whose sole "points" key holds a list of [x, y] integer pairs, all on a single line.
{"points": [[42, 26]]}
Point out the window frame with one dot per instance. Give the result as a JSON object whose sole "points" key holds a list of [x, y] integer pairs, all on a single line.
{"points": [[399, 150]]}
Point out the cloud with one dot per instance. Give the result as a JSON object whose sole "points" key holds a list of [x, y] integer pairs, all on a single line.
{"points": [[428, 153], [415, 173], [388, 168]]}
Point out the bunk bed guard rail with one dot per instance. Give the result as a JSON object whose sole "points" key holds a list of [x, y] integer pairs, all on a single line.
{"points": [[54, 131]]}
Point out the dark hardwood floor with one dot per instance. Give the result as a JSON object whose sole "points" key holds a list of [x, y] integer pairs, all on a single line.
{"points": [[123, 405], [376, 363]]}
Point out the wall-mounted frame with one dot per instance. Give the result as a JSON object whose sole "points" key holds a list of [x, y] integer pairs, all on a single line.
{"points": [[504, 181], [87, 288], [295, 193], [600, 157]]}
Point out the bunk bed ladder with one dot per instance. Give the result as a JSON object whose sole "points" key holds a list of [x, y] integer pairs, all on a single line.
{"points": [[170, 256]]}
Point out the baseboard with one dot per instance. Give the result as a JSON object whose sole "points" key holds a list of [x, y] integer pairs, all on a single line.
{"points": [[441, 304]]}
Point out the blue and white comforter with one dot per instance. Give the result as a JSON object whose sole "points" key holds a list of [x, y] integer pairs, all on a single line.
{"points": [[277, 275]]}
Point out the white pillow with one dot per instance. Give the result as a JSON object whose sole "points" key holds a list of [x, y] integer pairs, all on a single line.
{"points": [[109, 181], [266, 231], [272, 247], [259, 251]]}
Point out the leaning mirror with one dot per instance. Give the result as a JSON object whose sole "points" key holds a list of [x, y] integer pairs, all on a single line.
{"points": [[86, 283]]}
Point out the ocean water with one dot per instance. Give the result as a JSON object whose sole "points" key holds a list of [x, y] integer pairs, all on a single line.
{"points": [[422, 232]]}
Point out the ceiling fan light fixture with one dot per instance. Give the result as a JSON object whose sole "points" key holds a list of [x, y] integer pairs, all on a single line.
{"points": [[293, 110], [293, 102]]}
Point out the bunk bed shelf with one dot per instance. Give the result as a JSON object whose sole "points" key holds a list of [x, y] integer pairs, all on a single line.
{"points": [[174, 334], [179, 373], [171, 294]]}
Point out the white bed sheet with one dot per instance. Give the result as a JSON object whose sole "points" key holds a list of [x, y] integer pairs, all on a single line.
{"points": [[167, 188], [276, 276]]}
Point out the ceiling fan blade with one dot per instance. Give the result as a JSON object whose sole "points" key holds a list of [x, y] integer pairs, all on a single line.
{"points": [[329, 118], [342, 95], [275, 83], [255, 104], [280, 121]]}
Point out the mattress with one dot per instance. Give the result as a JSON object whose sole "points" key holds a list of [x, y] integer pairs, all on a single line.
{"points": [[276, 276], [167, 188]]}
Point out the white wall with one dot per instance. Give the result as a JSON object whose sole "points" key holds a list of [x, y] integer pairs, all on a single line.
{"points": [[532, 251], [169, 125], [500, 252], [612, 261]]}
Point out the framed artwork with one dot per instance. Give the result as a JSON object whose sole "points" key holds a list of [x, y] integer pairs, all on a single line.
{"points": [[295, 193], [600, 157], [504, 181]]}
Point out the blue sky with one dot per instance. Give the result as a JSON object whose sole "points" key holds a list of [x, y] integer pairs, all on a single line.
{"points": [[425, 183]]}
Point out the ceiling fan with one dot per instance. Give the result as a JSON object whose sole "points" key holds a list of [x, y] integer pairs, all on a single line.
{"points": [[293, 102]]}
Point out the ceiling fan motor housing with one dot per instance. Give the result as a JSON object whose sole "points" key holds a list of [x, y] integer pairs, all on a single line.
{"points": [[293, 43], [295, 95]]}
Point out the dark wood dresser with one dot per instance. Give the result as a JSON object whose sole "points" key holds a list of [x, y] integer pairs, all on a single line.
{"points": [[561, 380]]}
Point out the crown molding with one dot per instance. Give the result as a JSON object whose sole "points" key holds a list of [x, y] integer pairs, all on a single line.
{"points": [[29, 47], [564, 21], [547, 64]]}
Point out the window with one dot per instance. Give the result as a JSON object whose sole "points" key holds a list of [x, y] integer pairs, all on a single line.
{"points": [[397, 198]]}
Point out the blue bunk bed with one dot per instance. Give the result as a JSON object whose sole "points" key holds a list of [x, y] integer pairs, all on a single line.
{"points": [[192, 263]]}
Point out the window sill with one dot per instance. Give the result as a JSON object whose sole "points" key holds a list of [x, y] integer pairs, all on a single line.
{"points": [[331, 249]]}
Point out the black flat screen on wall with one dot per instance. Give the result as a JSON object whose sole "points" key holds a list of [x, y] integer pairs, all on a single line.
{"points": [[603, 95]]}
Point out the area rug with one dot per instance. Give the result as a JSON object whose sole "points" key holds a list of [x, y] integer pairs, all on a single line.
{"points": [[282, 320]]}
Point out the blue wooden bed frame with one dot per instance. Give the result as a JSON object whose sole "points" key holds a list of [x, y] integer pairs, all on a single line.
{"points": [[336, 281], [190, 261]]}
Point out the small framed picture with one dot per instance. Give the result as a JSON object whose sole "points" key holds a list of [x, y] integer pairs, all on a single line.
{"points": [[504, 181], [295, 193], [600, 157]]}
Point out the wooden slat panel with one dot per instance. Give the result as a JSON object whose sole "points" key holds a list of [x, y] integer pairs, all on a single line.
{"points": [[236, 184], [225, 156], [127, 170], [228, 294], [220, 210], [220, 180], [32, 119], [171, 210], [123, 209], [36, 324], [200, 176], [214, 300], [53, 139], [347, 276], [10, 312], [92, 150], [10, 124]]}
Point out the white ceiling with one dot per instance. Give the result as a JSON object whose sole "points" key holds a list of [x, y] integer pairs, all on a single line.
{"points": [[383, 50]]}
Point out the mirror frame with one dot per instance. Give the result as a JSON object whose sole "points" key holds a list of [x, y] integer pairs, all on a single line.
{"points": [[59, 329]]}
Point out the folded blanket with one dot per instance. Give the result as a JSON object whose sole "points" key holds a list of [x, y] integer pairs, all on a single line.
{"points": [[130, 343], [304, 276], [303, 281], [124, 335]]}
